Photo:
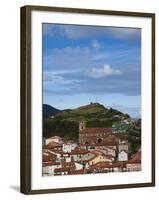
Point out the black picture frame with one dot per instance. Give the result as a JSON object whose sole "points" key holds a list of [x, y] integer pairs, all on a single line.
{"points": [[25, 182]]}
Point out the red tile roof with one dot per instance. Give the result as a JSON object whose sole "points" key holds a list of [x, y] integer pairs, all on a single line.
{"points": [[119, 164], [79, 151], [54, 151], [81, 171], [109, 156], [47, 156], [100, 165], [136, 158], [97, 130]]}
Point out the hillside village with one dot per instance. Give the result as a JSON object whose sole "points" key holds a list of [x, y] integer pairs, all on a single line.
{"points": [[97, 150]]}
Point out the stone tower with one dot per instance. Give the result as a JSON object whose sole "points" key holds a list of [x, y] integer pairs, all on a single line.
{"points": [[82, 126]]}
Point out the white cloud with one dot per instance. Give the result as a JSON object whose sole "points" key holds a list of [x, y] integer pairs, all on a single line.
{"points": [[113, 55], [95, 45], [101, 56], [106, 70], [52, 78], [124, 33], [57, 79], [70, 58], [61, 72]]}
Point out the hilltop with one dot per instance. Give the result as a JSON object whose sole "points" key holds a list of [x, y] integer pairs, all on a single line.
{"points": [[92, 111]]}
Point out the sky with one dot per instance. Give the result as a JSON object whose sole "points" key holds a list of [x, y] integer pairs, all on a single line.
{"points": [[83, 64]]}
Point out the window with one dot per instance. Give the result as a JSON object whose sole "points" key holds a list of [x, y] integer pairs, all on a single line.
{"points": [[99, 140]]}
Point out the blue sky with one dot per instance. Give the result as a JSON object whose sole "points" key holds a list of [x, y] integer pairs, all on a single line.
{"points": [[83, 64]]}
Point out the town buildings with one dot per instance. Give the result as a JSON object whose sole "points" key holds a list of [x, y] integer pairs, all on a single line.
{"points": [[134, 164], [98, 150]]}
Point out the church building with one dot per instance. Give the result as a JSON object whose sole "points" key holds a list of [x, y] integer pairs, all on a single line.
{"points": [[95, 136]]}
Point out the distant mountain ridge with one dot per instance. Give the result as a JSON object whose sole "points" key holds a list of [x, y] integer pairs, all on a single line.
{"points": [[49, 111], [85, 112]]}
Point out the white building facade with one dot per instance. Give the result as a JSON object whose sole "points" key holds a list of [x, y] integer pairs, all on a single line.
{"points": [[122, 155]]}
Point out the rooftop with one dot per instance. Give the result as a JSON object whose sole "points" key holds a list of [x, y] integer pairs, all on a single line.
{"points": [[96, 130], [52, 145], [136, 158]]}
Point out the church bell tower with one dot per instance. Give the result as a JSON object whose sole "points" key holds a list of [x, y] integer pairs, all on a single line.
{"points": [[82, 126]]}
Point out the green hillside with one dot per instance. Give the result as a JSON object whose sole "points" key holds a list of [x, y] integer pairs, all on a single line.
{"points": [[93, 111], [65, 124]]}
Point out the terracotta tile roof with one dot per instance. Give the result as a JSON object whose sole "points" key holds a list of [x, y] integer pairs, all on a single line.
{"points": [[109, 156], [79, 151], [81, 171], [52, 145], [100, 165], [47, 156], [48, 159], [136, 158], [119, 164], [68, 164], [97, 130], [54, 151]]}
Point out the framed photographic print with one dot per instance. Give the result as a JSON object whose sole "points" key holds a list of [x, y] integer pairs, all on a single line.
{"points": [[87, 99]]}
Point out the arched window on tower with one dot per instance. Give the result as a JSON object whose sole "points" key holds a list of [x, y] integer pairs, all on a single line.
{"points": [[99, 140]]}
